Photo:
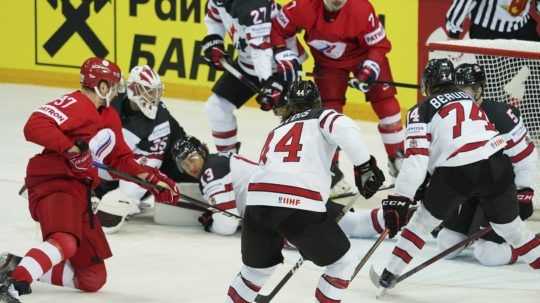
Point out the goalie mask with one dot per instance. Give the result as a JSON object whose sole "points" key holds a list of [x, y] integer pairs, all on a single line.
{"points": [[470, 74], [189, 155], [144, 88]]}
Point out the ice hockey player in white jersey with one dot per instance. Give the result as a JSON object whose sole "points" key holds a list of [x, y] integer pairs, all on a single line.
{"points": [[491, 249], [248, 23], [223, 180], [287, 195], [451, 138], [149, 130]]}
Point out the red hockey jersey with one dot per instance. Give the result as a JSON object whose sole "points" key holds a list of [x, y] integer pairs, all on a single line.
{"points": [[342, 39], [59, 123]]}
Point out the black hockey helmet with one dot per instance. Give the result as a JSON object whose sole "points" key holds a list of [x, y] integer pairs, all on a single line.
{"points": [[470, 74], [438, 73], [301, 95], [185, 146]]}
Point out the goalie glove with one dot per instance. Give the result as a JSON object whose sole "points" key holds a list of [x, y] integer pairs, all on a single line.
{"points": [[396, 213]]}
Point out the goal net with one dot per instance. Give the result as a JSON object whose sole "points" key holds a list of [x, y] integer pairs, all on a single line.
{"points": [[512, 75]]}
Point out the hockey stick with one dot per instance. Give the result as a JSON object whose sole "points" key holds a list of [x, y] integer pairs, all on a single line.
{"points": [[267, 298], [140, 181], [374, 277], [391, 83], [238, 75], [370, 252]]}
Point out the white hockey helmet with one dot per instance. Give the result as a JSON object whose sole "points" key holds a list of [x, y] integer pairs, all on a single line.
{"points": [[334, 5], [144, 88]]}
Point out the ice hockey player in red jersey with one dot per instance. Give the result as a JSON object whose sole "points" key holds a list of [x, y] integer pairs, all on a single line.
{"points": [[491, 249], [451, 138], [74, 130], [345, 37], [287, 194]]}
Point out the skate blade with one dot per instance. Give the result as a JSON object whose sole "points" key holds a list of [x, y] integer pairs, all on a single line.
{"points": [[381, 293], [374, 277]]}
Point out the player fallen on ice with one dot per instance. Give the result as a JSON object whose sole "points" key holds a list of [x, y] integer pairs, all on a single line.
{"points": [[74, 130], [450, 137], [286, 195]]}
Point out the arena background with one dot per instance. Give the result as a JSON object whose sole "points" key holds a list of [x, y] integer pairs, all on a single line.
{"points": [[48, 39]]}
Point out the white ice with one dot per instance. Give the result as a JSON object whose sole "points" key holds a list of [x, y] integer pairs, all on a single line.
{"points": [[154, 263]]}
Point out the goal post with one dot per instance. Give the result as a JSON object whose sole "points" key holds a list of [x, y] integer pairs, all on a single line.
{"points": [[512, 70]]}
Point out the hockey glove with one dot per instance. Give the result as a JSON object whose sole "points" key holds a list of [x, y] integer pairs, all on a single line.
{"points": [[162, 187], [365, 76], [214, 50], [270, 94], [396, 213], [80, 161], [206, 220], [288, 64], [368, 178], [525, 198]]}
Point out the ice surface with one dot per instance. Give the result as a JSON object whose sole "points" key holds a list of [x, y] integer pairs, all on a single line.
{"points": [[154, 263]]}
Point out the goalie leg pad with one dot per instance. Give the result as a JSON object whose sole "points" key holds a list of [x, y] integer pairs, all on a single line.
{"points": [[362, 223], [112, 214], [247, 284]]}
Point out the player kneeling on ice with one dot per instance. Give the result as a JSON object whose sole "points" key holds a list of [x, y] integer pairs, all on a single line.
{"points": [[491, 249], [223, 181], [450, 137], [150, 131], [74, 130], [287, 193]]}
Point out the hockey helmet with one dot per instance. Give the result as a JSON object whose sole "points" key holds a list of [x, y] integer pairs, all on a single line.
{"points": [[470, 74], [438, 72], [96, 70], [301, 95], [144, 88], [186, 147]]}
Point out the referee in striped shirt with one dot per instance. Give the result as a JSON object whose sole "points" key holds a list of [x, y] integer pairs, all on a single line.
{"points": [[493, 19]]}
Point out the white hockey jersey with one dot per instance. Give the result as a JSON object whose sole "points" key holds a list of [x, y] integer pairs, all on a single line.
{"points": [[295, 161], [248, 23], [445, 130], [224, 181]]}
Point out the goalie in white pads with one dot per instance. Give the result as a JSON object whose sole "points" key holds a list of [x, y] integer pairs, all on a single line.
{"points": [[450, 137], [491, 249], [149, 130], [287, 194]]}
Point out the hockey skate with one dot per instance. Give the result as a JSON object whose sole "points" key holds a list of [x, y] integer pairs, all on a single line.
{"points": [[385, 281], [340, 188], [8, 262], [9, 292]]}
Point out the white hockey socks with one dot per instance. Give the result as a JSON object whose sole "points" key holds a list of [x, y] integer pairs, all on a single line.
{"points": [[526, 244], [410, 240], [220, 114], [247, 284], [336, 278]]}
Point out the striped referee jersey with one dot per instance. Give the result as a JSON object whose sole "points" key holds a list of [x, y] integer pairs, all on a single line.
{"points": [[493, 15]]}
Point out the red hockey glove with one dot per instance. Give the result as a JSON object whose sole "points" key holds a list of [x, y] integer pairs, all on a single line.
{"points": [[214, 50], [368, 178], [270, 94], [396, 213], [525, 198], [288, 64], [80, 161], [163, 188], [365, 76]]}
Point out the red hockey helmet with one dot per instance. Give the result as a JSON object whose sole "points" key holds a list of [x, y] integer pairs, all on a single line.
{"points": [[95, 70]]}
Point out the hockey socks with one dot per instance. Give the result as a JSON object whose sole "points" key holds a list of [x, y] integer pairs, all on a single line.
{"points": [[526, 244], [40, 259], [390, 126], [247, 284], [336, 279]]}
